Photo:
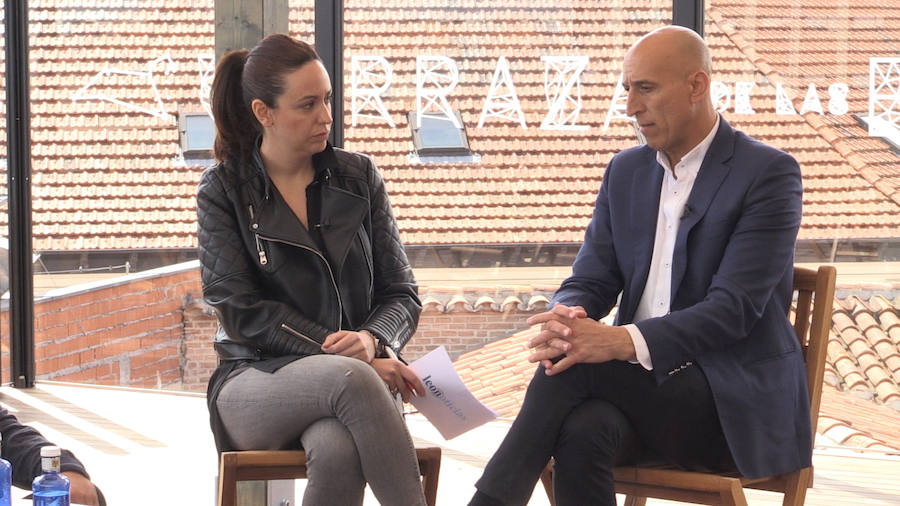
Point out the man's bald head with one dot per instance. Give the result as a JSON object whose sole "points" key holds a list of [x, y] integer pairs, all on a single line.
{"points": [[680, 47], [667, 76]]}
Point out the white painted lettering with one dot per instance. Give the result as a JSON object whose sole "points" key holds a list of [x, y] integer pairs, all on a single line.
{"points": [[436, 76], [370, 78], [502, 105], [811, 102], [563, 91]]}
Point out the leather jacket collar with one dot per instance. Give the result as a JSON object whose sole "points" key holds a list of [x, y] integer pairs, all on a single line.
{"points": [[323, 162]]}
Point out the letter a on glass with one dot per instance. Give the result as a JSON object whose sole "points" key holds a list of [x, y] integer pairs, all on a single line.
{"points": [[499, 104]]}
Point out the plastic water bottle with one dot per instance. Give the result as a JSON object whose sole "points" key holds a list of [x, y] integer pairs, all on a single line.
{"points": [[50, 488], [5, 479]]}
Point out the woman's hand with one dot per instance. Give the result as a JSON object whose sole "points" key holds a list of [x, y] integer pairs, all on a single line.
{"points": [[399, 377], [350, 343]]}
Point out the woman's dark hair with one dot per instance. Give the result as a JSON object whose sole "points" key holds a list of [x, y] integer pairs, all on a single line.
{"points": [[243, 76]]}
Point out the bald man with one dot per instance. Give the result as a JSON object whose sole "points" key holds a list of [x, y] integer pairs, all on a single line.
{"points": [[695, 231]]}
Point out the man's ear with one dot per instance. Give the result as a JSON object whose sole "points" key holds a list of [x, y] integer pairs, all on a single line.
{"points": [[699, 82], [262, 112]]}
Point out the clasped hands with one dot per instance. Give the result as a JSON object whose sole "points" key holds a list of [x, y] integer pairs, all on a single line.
{"points": [[361, 345], [567, 332]]}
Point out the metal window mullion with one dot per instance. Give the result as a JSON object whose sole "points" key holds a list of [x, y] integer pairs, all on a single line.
{"points": [[18, 149], [688, 13], [329, 26]]}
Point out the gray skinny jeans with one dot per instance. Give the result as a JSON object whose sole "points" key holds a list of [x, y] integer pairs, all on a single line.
{"points": [[343, 415]]}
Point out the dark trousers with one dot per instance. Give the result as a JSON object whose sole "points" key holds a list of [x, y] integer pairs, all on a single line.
{"points": [[595, 416]]}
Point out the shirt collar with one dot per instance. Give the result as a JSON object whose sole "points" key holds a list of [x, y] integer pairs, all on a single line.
{"points": [[695, 156]]}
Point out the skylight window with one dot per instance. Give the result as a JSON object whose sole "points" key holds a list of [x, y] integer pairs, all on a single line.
{"points": [[879, 127], [197, 133], [438, 136]]}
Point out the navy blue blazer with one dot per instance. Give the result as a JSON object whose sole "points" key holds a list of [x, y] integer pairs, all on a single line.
{"points": [[731, 287]]}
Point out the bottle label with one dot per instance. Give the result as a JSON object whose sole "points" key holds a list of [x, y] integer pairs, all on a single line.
{"points": [[49, 464]]}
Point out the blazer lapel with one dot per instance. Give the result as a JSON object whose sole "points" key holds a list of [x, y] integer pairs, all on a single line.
{"points": [[644, 214], [712, 173]]}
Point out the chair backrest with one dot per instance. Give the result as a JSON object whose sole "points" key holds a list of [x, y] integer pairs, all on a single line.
{"points": [[812, 323]]}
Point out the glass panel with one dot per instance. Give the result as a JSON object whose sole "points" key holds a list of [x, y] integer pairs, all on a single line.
{"points": [[117, 296], [438, 132], [819, 80], [112, 193], [302, 20], [201, 132], [534, 84], [4, 217]]}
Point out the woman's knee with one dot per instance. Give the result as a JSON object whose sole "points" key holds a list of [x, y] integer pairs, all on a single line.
{"points": [[358, 377], [331, 451], [333, 468]]}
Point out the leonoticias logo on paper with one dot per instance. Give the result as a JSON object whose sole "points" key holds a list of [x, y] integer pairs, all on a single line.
{"points": [[438, 394]]}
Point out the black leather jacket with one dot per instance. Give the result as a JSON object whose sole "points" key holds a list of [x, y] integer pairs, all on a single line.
{"points": [[278, 289]]}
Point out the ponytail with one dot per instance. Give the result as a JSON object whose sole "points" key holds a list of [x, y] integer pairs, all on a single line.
{"points": [[236, 126], [243, 76]]}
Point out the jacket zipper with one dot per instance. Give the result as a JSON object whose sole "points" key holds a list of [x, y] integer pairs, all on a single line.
{"points": [[370, 267], [296, 333], [403, 328], [263, 260], [324, 261]]}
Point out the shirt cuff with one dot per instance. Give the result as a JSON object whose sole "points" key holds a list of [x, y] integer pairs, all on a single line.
{"points": [[640, 347]]}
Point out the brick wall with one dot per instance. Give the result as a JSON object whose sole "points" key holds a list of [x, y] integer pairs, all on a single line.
{"points": [[128, 331], [153, 330], [462, 331], [198, 356]]}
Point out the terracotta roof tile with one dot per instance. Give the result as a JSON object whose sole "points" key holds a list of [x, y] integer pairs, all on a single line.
{"points": [[106, 159], [861, 401]]}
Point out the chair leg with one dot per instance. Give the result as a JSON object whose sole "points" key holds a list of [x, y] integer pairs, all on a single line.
{"points": [[734, 495], [547, 481], [227, 481], [795, 487], [430, 468]]}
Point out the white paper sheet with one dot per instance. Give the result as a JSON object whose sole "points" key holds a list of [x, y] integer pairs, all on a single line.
{"points": [[447, 404]]}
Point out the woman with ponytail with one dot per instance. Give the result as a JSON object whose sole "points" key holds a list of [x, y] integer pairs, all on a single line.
{"points": [[302, 262]]}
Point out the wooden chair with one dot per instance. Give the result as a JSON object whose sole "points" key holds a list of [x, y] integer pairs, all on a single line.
{"points": [[291, 464], [815, 294]]}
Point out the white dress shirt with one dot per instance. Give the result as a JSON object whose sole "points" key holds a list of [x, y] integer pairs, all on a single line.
{"points": [[676, 187]]}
